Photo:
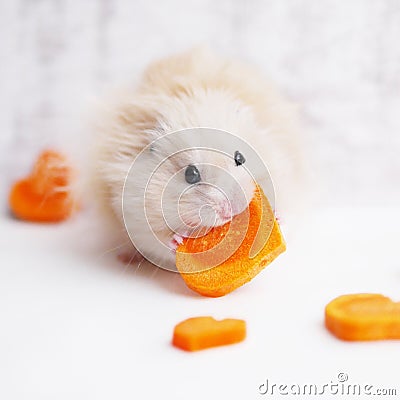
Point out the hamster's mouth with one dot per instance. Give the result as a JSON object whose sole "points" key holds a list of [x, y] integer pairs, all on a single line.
{"points": [[210, 216], [204, 224]]}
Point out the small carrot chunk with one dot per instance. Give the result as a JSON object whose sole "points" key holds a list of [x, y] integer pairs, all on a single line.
{"points": [[358, 317], [45, 195], [230, 255], [203, 332], [50, 172]]}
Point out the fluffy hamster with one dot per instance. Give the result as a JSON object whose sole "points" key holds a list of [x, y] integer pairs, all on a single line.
{"points": [[193, 89]]}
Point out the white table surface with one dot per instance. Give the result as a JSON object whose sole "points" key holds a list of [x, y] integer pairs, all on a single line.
{"points": [[77, 324]]}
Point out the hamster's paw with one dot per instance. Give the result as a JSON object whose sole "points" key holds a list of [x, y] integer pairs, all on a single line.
{"points": [[175, 242]]}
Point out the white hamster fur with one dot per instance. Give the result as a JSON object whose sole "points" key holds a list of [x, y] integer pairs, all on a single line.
{"points": [[193, 89]]}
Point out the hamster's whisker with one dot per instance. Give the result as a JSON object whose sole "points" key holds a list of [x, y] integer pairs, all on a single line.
{"points": [[113, 249], [189, 212], [202, 194], [139, 264], [128, 264], [154, 273]]}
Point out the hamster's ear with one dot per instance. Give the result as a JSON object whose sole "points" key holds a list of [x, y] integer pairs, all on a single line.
{"points": [[152, 136]]}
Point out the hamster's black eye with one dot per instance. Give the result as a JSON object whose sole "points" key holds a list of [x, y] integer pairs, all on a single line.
{"points": [[192, 174], [239, 158]]}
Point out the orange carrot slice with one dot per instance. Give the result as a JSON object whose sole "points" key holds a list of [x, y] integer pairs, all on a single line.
{"points": [[229, 256], [50, 173], [44, 196], [203, 332], [363, 317]]}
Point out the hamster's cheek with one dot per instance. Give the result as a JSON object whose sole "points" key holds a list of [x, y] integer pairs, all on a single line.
{"points": [[187, 208]]}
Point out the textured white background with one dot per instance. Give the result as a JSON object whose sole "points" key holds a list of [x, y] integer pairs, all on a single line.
{"points": [[77, 324], [340, 60]]}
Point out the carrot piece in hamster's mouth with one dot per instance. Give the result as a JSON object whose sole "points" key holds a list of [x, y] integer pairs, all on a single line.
{"points": [[230, 255]]}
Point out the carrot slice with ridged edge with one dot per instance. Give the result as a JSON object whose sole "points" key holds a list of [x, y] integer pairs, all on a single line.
{"points": [[251, 241], [45, 195], [200, 333], [364, 316]]}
